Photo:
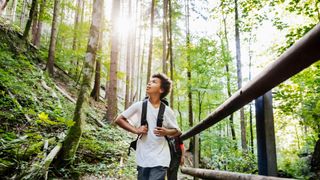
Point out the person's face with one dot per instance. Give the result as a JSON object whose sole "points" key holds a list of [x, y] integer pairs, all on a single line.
{"points": [[154, 86]]}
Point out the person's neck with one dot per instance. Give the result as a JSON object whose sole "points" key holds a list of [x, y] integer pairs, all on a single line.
{"points": [[154, 100]]}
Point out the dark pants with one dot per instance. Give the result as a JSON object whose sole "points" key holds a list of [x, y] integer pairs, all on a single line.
{"points": [[152, 173], [174, 167]]}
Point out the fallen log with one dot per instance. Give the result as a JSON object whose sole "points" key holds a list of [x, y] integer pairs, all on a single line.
{"points": [[40, 171]]}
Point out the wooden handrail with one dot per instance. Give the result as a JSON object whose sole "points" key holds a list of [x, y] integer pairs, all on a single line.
{"points": [[298, 57], [222, 175]]}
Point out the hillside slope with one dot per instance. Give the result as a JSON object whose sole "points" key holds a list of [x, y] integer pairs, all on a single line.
{"points": [[36, 110]]}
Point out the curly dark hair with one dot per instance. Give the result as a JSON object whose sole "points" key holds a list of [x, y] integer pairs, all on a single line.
{"points": [[166, 84]]}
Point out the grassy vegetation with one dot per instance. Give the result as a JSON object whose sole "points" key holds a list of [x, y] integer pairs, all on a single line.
{"points": [[31, 113]]}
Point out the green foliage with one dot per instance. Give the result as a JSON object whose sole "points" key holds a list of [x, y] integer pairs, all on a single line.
{"points": [[223, 154], [295, 166]]}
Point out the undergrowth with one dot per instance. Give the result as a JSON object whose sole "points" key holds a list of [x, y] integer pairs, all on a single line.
{"points": [[32, 110]]}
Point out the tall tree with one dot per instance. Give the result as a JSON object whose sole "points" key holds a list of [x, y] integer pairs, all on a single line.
{"points": [[128, 64], [71, 142], [37, 37], [227, 58], [134, 69], [153, 4], [53, 39], [35, 20], [170, 53], [76, 24], [112, 93], [31, 17], [239, 74], [164, 36], [95, 93], [76, 29], [189, 72]]}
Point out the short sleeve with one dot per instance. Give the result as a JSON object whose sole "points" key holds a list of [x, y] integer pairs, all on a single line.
{"points": [[170, 120], [133, 114]]}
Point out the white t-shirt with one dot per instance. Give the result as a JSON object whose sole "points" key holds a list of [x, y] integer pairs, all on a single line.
{"points": [[151, 150]]}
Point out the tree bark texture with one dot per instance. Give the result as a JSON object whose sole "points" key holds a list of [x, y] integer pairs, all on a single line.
{"points": [[189, 75], [29, 22], [37, 38], [95, 93], [239, 74], [53, 39], [71, 142], [170, 50], [228, 58], [128, 63], [112, 94], [164, 36], [35, 23], [153, 4]]}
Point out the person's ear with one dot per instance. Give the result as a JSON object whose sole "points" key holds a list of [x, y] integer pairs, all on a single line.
{"points": [[161, 90]]}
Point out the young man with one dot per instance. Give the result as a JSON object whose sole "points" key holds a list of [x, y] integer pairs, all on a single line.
{"points": [[152, 153]]}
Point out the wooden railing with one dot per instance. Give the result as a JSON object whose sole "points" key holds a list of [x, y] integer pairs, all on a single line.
{"points": [[298, 57]]}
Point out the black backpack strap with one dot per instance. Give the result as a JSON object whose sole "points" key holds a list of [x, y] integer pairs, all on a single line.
{"points": [[144, 112], [133, 144], [160, 114]]}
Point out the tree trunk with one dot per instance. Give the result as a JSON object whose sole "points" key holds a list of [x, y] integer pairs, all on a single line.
{"points": [[76, 25], [227, 58], [13, 10], [142, 64], [22, 16], [153, 4], [71, 142], [95, 93], [78, 65], [35, 22], [112, 96], [139, 72], [239, 74], [128, 65], [170, 50], [233, 133], [76, 32], [29, 22], [164, 36], [315, 160], [53, 39], [250, 106], [189, 75], [39, 29], [3, 5], [134, 71]]}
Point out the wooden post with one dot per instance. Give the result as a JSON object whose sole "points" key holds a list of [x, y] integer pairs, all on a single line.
{"points": [[196, 153], [267, 160]]}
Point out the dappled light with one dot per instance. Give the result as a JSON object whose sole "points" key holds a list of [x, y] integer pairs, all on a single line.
{"points": [[178, 89]]}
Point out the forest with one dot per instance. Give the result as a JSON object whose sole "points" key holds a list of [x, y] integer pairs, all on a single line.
{"points": [[69, 68]]}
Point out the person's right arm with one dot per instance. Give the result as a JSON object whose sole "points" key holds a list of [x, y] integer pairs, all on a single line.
{"points": [[123, 123]]}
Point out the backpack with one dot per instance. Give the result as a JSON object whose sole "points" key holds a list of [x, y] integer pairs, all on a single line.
{"points": [[173, 142]]}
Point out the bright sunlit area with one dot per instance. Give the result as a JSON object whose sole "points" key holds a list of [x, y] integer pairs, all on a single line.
{"points": [[178, 89]]}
